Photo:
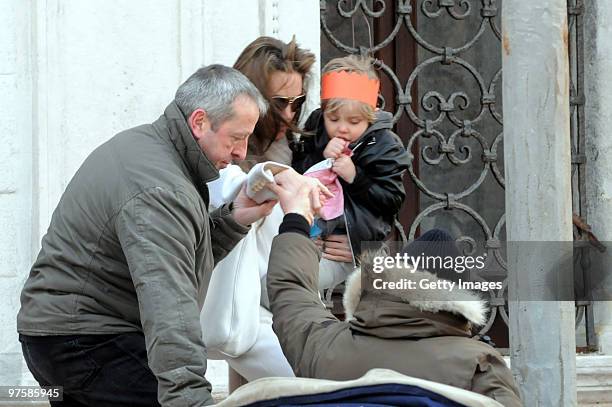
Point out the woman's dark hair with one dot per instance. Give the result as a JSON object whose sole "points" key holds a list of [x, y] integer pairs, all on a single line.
{"points": [[258, 62]]}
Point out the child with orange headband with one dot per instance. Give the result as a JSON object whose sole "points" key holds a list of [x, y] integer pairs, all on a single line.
{"points": [[368, 158]]}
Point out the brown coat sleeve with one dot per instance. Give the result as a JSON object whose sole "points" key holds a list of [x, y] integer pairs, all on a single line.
{"points": [[493, 379], [298, 313]]}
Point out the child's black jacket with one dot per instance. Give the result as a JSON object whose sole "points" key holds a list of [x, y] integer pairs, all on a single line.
{"points": [[374, 198]]}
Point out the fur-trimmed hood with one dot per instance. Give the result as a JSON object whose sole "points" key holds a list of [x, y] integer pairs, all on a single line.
{"points": [[438, 312]]}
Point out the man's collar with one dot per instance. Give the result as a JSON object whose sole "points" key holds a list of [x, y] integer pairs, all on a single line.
{"points": [[183, 139]]}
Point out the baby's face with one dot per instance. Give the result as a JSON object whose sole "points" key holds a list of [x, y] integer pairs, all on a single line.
{"points": [[347, 122]]}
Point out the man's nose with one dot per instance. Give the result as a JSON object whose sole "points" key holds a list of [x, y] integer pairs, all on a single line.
{"points": [[240, 150]]}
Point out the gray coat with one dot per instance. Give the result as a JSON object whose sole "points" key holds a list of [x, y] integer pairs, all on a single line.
{"points": [[131, 247]]}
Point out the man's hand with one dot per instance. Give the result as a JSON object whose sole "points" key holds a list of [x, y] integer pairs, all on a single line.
{"points": [[247, 211], [299, 194], [345, 168], [335, 147]]}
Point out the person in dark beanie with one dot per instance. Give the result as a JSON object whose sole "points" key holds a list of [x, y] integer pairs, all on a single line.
{"points": [[420, 332]]}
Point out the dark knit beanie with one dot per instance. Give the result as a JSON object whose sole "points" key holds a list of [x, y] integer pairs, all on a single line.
{"points": [[437, 250]]}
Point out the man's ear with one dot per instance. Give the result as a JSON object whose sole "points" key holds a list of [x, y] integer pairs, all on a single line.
{"points": [[199, 123]]}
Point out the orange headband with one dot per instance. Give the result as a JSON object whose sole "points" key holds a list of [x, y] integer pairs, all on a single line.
{"points": [[350, 85]]}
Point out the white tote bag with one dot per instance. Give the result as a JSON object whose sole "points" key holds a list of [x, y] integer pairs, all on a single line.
{"points": [[230, 315]]}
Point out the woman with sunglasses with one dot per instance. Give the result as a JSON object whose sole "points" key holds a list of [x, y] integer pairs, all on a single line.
{"points": [[281, 72]]}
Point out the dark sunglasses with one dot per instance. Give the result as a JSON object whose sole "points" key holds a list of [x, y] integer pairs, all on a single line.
{"points": [[295, 102]]}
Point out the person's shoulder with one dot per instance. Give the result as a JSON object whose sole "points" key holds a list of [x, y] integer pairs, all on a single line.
{"points": [[379, 140], [382, 144], [142, 159], [388, 136], [135, 138], [314, 118]]}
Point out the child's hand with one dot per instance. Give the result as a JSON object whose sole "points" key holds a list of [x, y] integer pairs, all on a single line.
{"points": [[344, 167], [335, 147]]}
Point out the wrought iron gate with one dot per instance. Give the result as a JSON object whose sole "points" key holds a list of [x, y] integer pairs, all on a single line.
{"points": [[441, 78]]}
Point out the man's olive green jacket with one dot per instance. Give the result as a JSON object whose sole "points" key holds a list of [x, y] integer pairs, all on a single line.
{"points": [[131, 247]]}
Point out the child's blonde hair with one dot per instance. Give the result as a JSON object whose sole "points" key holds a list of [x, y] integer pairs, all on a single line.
{"points": [[350, 63]]}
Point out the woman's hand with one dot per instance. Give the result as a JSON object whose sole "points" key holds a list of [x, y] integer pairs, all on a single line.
{"points": [[336, 248]]}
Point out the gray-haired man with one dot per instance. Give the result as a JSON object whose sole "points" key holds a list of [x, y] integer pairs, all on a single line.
{"points": [[110, 310]]}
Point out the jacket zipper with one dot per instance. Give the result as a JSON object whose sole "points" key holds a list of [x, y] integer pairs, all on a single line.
{"points": [[348, 235], [346, 223]]}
